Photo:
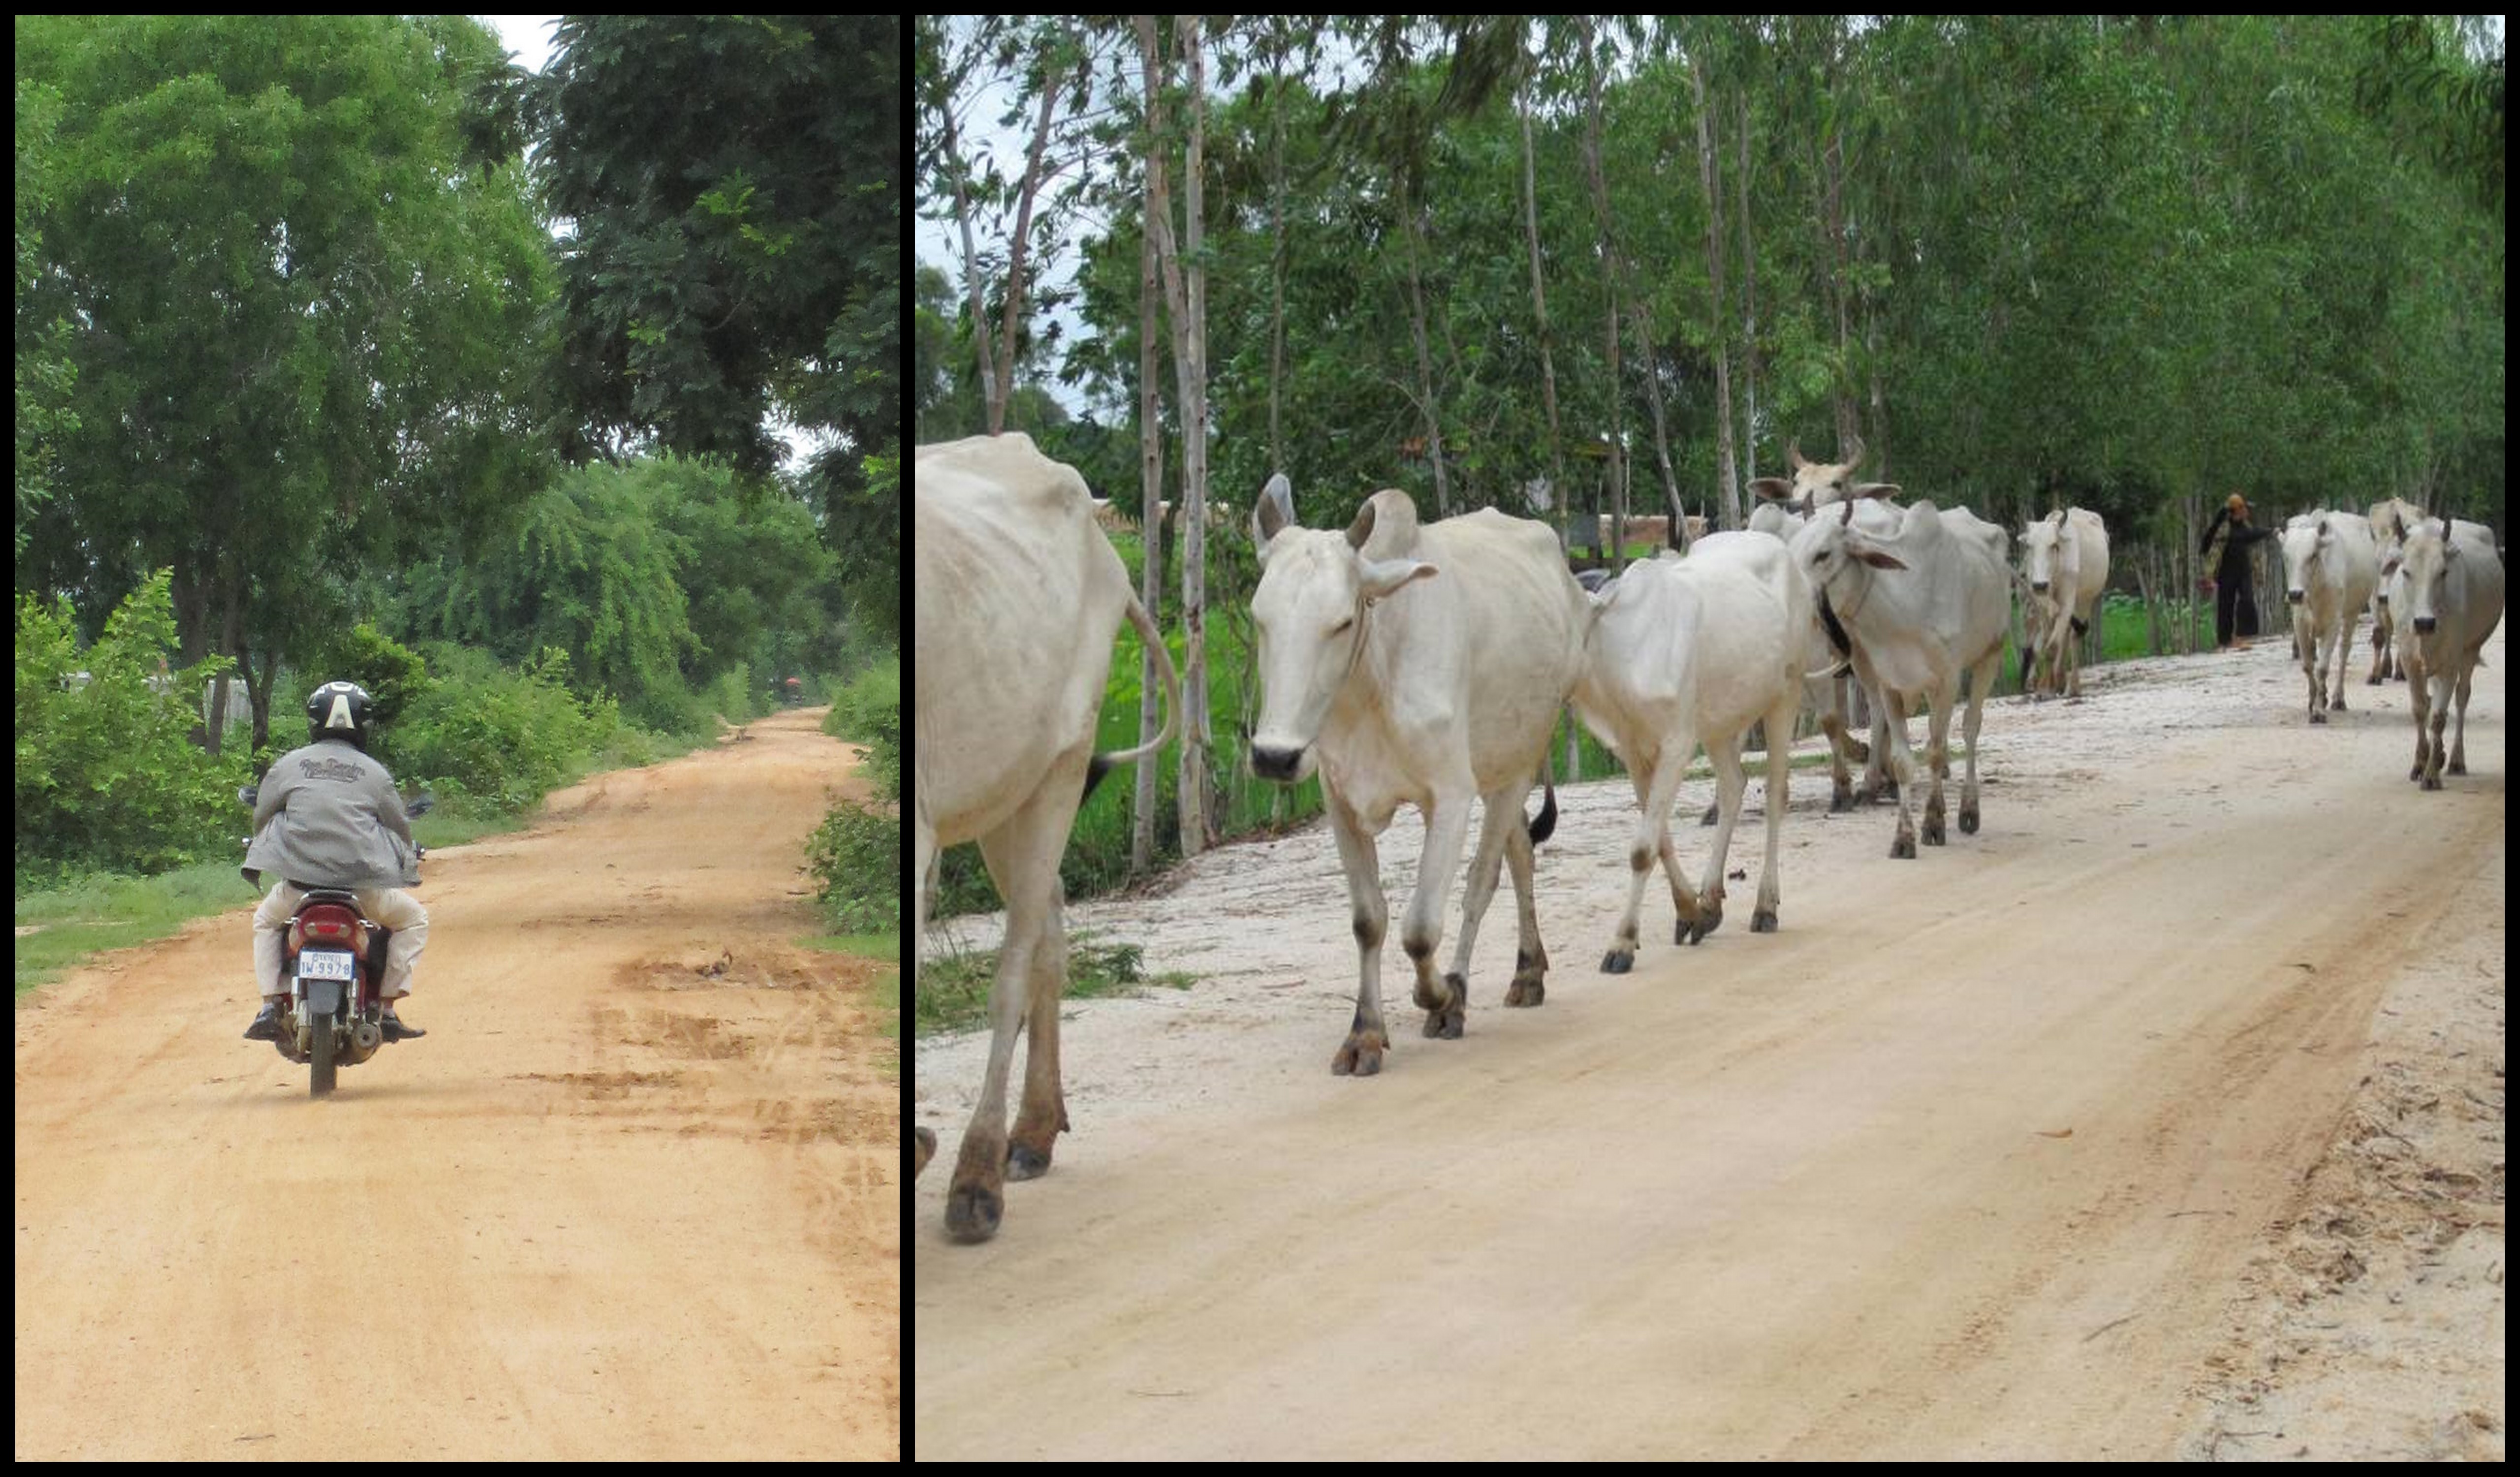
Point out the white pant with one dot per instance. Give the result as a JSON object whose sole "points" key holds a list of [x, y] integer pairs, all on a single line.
{"points": [[394, 908]]}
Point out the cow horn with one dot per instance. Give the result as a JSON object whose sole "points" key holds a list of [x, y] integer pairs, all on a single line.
{"points": [[1846, 516], [1795, 455], [1854, 455], [1363, 528]]}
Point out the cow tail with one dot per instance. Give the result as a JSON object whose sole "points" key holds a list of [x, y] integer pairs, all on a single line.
{"points": [[1545, 824], [1153, 636]]}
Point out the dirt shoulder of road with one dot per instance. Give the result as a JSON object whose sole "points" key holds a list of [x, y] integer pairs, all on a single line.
{"points": [[2163, 1118]]}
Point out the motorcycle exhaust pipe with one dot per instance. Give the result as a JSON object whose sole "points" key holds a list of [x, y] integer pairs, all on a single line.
{"points": [[368, 1036]]}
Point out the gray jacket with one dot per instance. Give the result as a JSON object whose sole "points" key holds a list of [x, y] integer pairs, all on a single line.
{"points": [[328, 815]]}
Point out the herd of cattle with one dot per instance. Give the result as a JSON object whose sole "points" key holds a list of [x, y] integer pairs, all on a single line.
{"points": [[1427, 665]]}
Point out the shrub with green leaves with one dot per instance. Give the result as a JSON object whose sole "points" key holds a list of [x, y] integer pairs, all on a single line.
{"points": [[868, 710], [504, 739], [107, 778], [856, 855]]}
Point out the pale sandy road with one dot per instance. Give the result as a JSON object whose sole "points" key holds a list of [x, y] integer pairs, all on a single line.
{"points": [[1789, 1196], [611, 1207]]}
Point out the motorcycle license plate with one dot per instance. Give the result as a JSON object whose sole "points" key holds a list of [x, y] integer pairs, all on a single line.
{"points": [[325, 964]]}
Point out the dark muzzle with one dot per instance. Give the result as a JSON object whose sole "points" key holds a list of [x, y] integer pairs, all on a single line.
{"points": [[2292, 597], [2038, 586], [1275, 764], [2424, 625]]}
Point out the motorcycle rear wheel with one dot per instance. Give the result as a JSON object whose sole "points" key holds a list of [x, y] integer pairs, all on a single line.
{"points": [[320, 1073]]}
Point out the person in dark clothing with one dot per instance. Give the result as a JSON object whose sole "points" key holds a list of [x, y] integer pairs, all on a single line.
{"points": [[2235, 607]]}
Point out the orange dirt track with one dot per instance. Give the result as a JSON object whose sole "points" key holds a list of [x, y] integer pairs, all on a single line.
{"points": [[636, 1195]]}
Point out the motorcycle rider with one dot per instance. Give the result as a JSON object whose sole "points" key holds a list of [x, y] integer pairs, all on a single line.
{"points": [[327, 816]]}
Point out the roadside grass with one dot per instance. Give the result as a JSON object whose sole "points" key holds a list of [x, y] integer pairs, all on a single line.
{"points": [[106, 910], [888, 984], [954, 987]]}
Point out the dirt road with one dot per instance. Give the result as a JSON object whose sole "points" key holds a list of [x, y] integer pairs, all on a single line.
{"points": [[1969, 1161], [634, 1195]]}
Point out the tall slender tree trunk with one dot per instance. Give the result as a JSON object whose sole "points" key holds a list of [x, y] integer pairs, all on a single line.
{"points": [[1833, 221], [1733, 515], [1548, 363], [979, 309], [1728, 489], [1019, 248], [1150, 578], [1184, 297], [1408, 232], [1618, 470]]}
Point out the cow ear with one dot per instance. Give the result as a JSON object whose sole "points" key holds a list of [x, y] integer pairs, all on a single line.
{"points": [[1273, 509], [1363, 528], [1381, 576], [1879, 559], [1770, 488], [1876, 489]]}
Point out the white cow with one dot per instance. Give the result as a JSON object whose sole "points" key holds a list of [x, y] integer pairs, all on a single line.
{"points": [[1423, 665], [1785, 505], [1922, 608], [1688, 651], [2331, 572], [2449, 594], [1017, 596], [2065, 559], [2390, 518]]}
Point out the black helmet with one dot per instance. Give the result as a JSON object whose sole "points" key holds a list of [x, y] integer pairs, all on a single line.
{"points": [[339, 711]]}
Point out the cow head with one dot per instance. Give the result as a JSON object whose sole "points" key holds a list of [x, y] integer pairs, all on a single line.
{"points": [[2426, 560], [2050, 553], [1831, 549], [2307, 539], [1316, 591], [1816, 485]]}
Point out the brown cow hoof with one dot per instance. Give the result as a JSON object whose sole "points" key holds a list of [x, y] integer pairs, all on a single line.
{"points": [[1444, 1022], [2337, 702], [2371, 681], [1024, 1162], [1525, 992], [1763, 921], [1840, 800], [1904, 846], [1360, 1056], [2432, 782], [1708, 920], [2317, 716], [1968, 820], [1620, 960], [2459, 767], [1934, 831], [972, 1211], [924, 1143]]}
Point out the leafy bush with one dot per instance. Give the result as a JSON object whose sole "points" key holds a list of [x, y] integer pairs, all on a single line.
{"points": [[856, 854], [500, 739], [106, 779], [868, 710]]}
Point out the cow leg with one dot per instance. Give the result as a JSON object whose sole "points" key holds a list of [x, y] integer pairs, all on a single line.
{"points": [[1421, 927], [1503, 813], [1763, 920], [2379, 644], [1530, 959], [2344, 655], [1903, 767], [1968, 735], [2418, 694], [1042, 1115], [1657, 776], [1366, 1039], [2436, 720], [2458, 745], [1877, 777], [1022, 857], [1841, 784], [1731, 786], [2305, 645], [1938, 759]]}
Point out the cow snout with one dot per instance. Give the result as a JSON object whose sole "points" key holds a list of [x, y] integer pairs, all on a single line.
{"points": [[2292, 597], [2425, 625], [2038, 586], [1275, 764]]}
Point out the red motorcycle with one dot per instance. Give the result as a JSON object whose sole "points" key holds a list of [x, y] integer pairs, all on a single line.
{"points": [[333, 962]]}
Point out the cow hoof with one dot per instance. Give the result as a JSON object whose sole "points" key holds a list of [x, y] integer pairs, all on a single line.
{"points": [[1968, 820], [1360, 1056], [2432, 782], [1904, 846], [1444, 1022], [1763, 921], [1618, 961], [1525, 992], [2337, 702], [1934, 831], [971, 1213], [1840, 800], [925, 1142], [2459, 767], [1024, 1162], [2317, 716], [1713, 813], [1708, 920], [2371, 681]]}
